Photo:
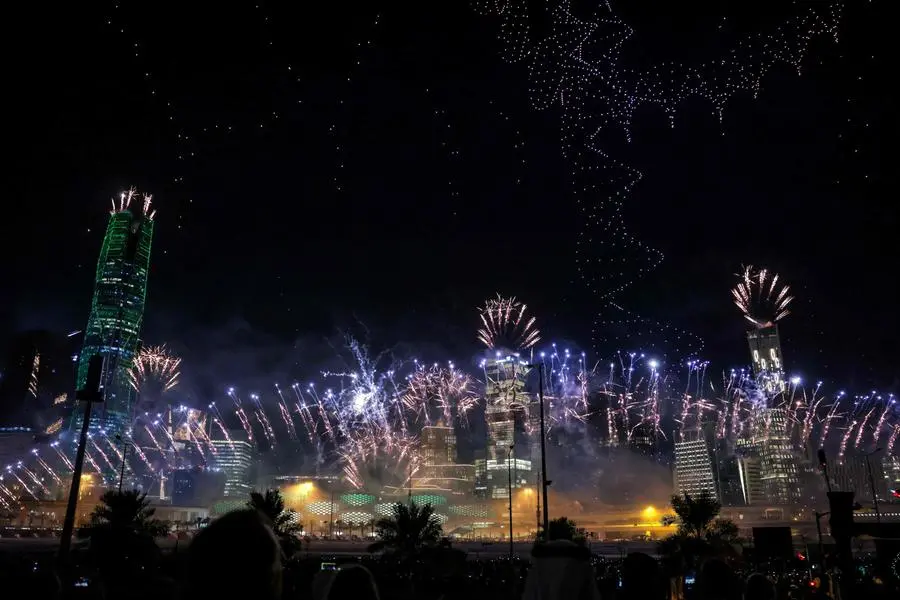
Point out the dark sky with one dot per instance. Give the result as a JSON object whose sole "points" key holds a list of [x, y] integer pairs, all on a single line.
{"points": [[316, 169]]}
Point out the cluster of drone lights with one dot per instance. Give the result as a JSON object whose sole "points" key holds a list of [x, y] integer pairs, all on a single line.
{"points": [[576, 65]]}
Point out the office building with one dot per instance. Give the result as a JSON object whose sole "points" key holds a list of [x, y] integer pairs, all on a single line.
{"points": [[779, 463], [765, 351], [197, 486], [37, 380], [117, 309], [852, 474], [510, 411], [234, 457], [694, 474], [439, 469]]}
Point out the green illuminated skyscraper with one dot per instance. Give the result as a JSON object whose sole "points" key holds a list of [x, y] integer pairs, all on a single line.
{"points": [[117, 309]]}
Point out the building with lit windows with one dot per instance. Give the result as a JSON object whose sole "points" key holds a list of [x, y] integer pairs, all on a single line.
{"points": [[779, 464], [234, 457], [851, 474], [439, 469], [694, 474], [117, 309], [765, 351], [509, 412], [37, 379]]}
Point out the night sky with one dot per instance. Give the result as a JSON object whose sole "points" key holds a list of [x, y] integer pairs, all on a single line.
{"points": [[377, 167]]}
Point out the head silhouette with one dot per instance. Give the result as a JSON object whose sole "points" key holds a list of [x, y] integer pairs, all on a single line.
{"points": [[759, 587], [352, 581], [641, 577], [717, 581], [236, 556]]}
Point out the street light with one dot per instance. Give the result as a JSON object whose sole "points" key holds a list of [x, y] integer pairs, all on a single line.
{"points": [[509, 475], [872, 484]]}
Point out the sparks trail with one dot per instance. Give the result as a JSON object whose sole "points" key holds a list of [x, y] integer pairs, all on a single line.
{"points": [[507, 324], [762, 299]]}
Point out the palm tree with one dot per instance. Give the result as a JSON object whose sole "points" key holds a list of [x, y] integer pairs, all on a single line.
{"points": [[695, 513], [285, 524], [700, 534], [126, 511], [409, 529], [122, 529], [561, 528]]}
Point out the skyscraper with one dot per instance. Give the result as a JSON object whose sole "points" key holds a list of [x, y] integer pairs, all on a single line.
{"points": [[234, 457], [765, 350], [694, 469], [506, 403], [439, 469], [117, 309]]}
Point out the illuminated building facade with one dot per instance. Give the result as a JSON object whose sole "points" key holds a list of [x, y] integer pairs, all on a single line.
{"points": [[694, 474], [850, 474], [779, 463], [765, 351], [37, 379], [439, 469], [509, 408], [197, 486], [234, 457], [117, 309]]}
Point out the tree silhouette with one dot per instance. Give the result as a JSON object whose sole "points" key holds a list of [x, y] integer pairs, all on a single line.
{"points": [[285, 524], [562, 528], [700, 534], [409, 529], [695, 513], [122, 529], [129, 511]]}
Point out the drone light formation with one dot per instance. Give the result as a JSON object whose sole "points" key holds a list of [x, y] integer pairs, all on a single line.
{"points": [[577, 65]]}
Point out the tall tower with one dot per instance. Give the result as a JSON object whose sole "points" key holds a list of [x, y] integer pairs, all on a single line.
{"points": [[763, 300], [117, 309]]}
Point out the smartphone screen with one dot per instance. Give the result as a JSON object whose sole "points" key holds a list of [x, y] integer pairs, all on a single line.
{"points": [[328, 566]]}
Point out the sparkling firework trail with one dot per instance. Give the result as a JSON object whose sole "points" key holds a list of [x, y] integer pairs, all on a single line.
{"points": [[286, 413], [154, 366], [760, 298], [507, 324], [24, 485], [62, 456], [45, 466]]}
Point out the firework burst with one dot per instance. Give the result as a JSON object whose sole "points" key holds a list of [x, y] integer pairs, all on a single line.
{"points": [[761, 297], [507, 324], [153, 374]]}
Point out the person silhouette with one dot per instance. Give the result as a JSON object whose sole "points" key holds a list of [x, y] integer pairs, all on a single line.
{"points": [[237, 556]]}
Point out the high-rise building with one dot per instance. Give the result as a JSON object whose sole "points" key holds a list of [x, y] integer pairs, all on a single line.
{"points": [[439, 469], [438, 445], [852, 474], [891, 467], [751, 480], [765, 350], [779, 463], [509, 409], [37, 380], [117, 309], [694, 469], [197, 487], [234, 457]]}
